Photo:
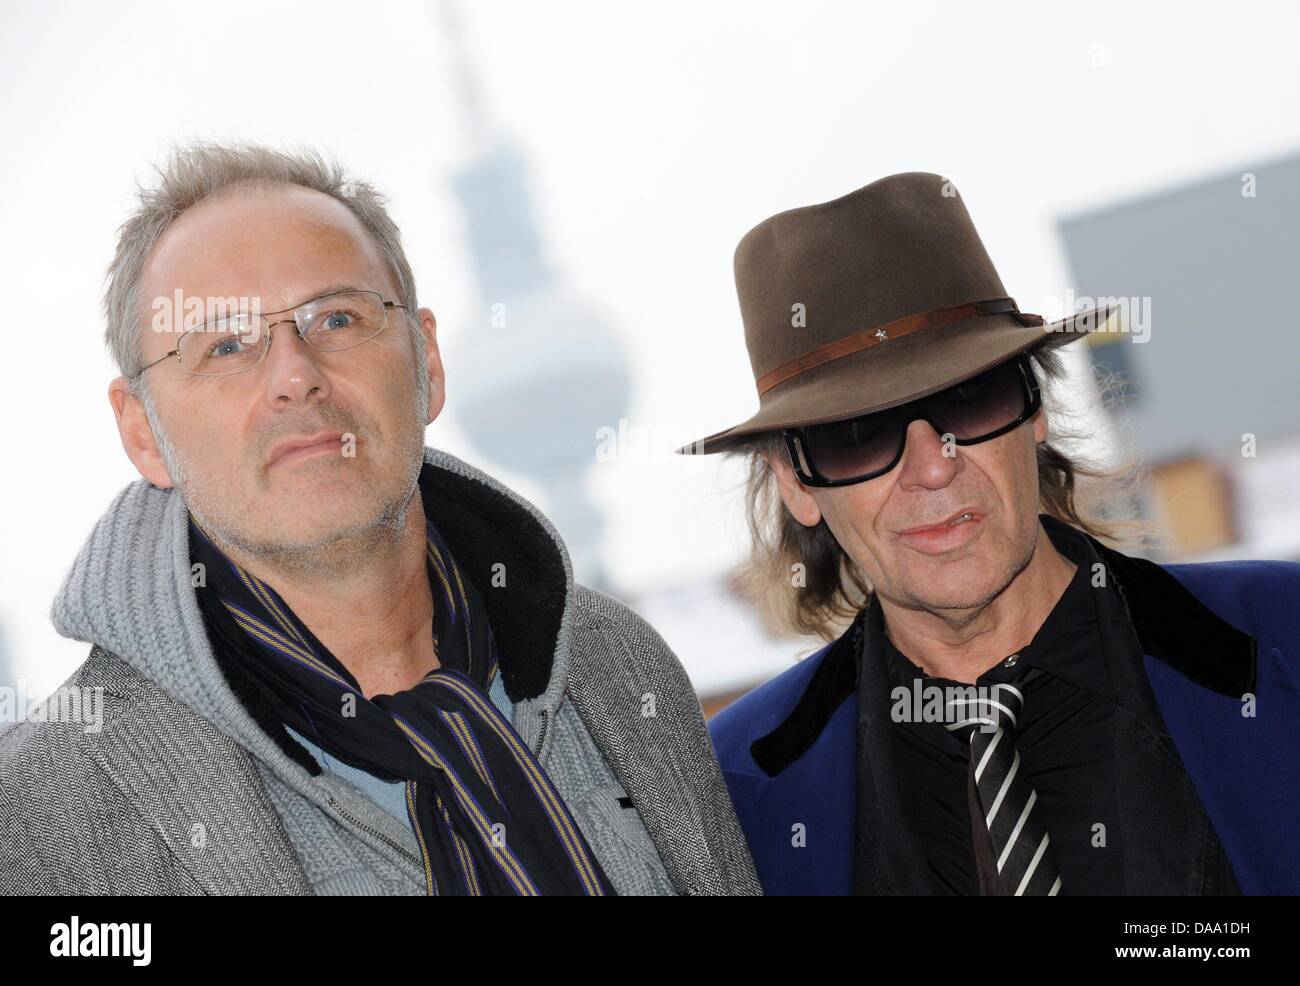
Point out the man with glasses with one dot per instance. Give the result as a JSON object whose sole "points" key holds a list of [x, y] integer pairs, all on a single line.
{"points": [[1006, 706], [335, 661]]}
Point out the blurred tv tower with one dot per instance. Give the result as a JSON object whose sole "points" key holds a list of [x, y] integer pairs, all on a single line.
{"points": [[544, 369]]}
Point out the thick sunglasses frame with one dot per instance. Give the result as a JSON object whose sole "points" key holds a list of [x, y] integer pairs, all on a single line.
{"points": [[796, 439]]}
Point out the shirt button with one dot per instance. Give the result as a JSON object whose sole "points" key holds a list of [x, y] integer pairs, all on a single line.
{"points": [[1010, 662]]}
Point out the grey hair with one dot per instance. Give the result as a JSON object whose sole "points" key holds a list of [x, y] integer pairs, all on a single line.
{"points": [[200, 169]]}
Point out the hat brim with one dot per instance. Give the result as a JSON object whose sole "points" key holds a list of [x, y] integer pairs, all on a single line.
{"points": [[899, 371]]}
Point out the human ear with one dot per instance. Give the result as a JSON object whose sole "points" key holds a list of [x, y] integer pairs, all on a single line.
{"points": [[798, 499], [137, 434], [433, 359], [1040, 425]]}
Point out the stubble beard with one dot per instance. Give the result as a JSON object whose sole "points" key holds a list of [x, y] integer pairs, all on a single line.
{"points": [[337, 551], [949, 609]]}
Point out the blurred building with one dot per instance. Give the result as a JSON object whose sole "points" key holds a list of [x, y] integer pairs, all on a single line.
{"points": [[1211, 400], [541, 369]]}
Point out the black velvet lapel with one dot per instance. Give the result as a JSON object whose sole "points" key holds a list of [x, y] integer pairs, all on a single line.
{"points": [[1172, 625], [834, 680], [1177, 628]]}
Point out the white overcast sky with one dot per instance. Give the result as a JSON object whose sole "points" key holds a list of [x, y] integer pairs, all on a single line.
{"points": [[657, 134]]}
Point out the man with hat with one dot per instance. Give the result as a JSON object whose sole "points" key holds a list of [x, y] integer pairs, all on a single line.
{"points": [[1006, 705]]}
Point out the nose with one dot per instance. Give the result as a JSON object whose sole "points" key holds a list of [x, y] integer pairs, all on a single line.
{"points": [[928, 461], [292, 373]]}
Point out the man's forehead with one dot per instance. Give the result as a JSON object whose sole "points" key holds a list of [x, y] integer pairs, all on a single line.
{"points": [[281, 244]]}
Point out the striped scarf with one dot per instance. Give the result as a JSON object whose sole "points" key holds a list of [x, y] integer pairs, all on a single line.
{"points": [[487, 818]]}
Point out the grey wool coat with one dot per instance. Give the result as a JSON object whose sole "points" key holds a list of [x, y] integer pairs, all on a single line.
{"points": [[191, 788]]}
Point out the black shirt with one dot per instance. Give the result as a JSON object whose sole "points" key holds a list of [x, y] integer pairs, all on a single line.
{"points": [[1066, 741]]}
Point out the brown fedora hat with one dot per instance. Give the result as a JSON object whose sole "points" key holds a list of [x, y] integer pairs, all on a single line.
{"points": [[871, 300]]}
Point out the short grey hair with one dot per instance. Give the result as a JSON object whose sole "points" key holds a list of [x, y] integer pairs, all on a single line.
{"points": [[201, 169]]}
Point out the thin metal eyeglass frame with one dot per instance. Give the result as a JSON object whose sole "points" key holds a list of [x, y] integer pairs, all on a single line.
{"points": [[266, 347]]}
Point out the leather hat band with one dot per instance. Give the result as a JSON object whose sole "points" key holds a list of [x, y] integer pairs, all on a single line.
{"points": [[889, 331]]}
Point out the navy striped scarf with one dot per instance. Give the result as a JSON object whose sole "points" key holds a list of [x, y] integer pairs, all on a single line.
{"points": [[487, 818]]}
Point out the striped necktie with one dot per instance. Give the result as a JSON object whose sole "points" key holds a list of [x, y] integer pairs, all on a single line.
{"points": [[1022, 849]]}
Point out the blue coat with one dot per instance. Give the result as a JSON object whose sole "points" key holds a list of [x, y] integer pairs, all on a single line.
{"points": [[1209, 633]]}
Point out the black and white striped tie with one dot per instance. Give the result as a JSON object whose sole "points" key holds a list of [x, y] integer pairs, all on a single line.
{"points": [[1022, 848]]}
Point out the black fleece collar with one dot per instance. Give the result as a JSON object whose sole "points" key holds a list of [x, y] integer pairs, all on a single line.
{"points": [[1172, 625], [513, 562]]}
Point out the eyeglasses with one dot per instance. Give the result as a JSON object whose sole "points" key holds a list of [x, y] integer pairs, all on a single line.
{"points": [[240, 342], [840, 453]]}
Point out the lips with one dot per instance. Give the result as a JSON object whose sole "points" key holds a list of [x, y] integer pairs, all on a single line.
{"points": [[946, 522], [303, 442], [949, 536]]}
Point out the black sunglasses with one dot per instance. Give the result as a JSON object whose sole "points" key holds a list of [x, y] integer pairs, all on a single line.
{"points": [[840, 453]]}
